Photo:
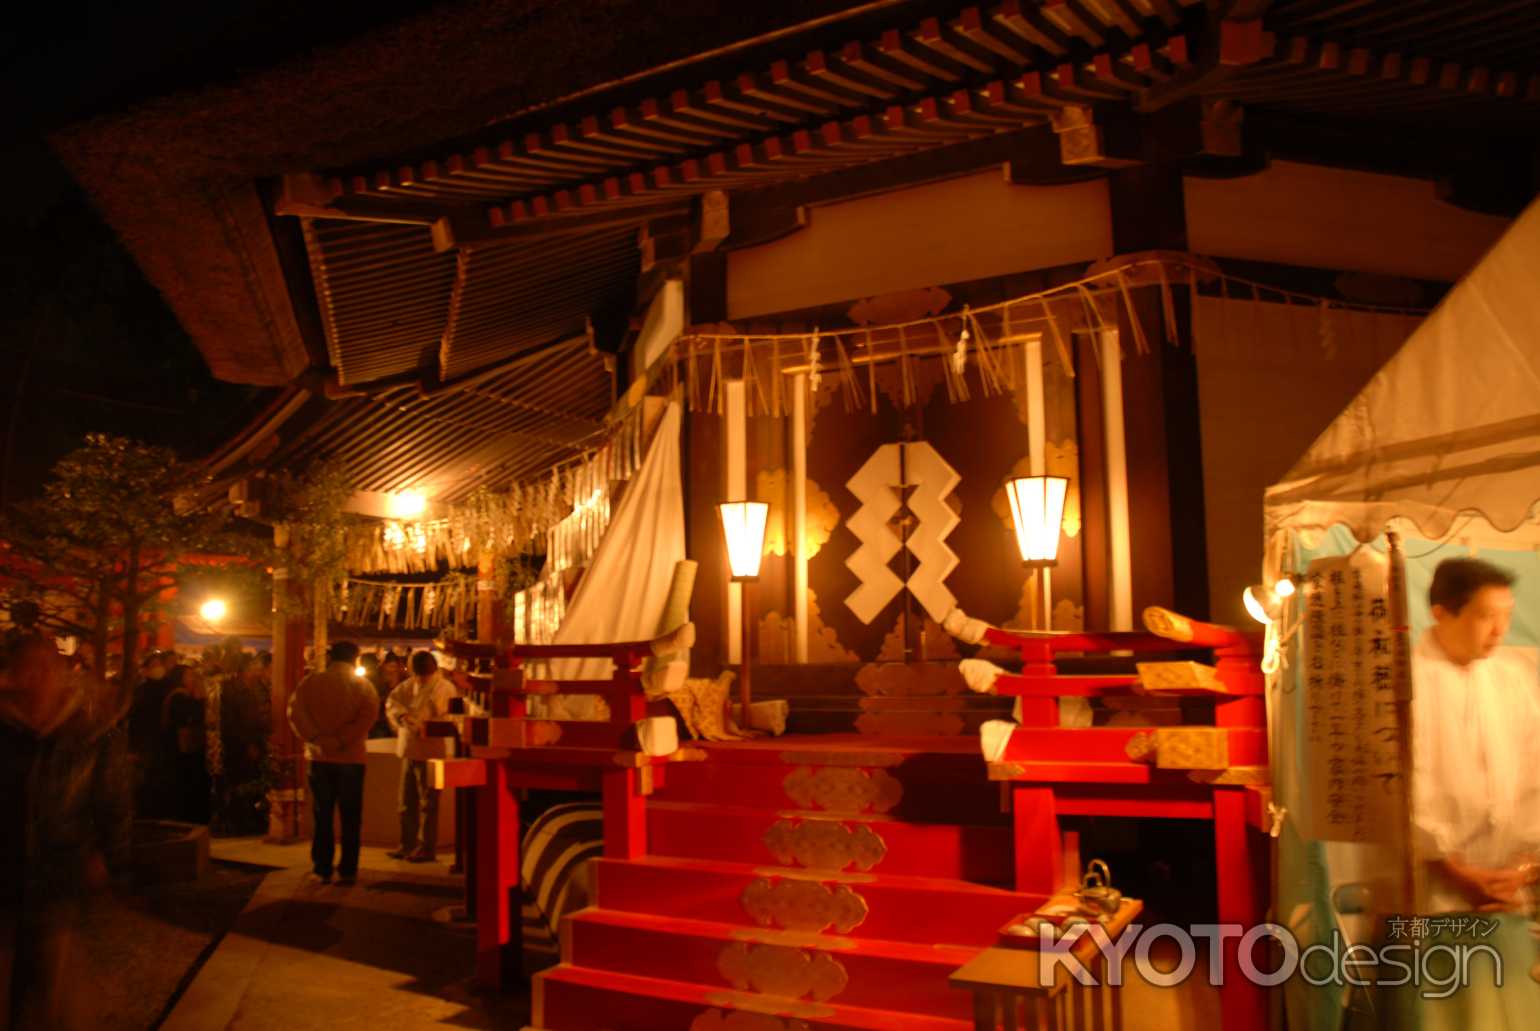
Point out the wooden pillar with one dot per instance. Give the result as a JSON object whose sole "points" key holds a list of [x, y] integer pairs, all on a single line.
{"points": [[625, 807], [286, 797], [1160, 401], [1243, 1005], [467, 800], [1039, 857], [498, 916]]}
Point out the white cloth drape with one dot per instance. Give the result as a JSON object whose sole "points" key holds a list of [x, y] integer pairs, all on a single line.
{"points": [[623, 593], [1447, 434]]}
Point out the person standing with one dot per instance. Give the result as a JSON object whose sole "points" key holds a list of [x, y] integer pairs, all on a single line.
{"points": [[331, 712], [421, 697], [1476, 793], [67, 811]]}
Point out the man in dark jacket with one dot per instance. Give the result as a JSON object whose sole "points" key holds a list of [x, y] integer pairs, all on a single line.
{"points": [[67, 817]]}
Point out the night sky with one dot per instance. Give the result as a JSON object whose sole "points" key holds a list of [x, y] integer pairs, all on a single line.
{"points": [[86, 344]]}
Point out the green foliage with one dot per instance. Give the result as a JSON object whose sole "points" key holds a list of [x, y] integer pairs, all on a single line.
{"points": [[105, 540], [312, 507], [512, 574]]}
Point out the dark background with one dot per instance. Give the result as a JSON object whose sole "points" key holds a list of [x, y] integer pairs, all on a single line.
{"points": [[86, 344]]}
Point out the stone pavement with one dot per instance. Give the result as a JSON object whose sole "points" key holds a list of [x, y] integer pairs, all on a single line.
{"points": [[370, 955]]}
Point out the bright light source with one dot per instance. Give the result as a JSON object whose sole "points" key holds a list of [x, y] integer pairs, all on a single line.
{"points": [[359, 671], [1284, 588], [406, 505], [213, 610], [743, 527], [1262, 613], [1037, 512]]}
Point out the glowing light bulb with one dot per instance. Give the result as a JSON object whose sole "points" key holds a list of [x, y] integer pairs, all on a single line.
{"points": [[1284, 588], [1252, 598], [213, 610]]}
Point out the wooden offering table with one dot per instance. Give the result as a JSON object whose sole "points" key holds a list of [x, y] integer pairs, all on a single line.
{"points": [[1010, 994]]}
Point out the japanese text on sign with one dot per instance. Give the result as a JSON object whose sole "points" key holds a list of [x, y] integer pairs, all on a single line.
{"points": [[1352, 731]]}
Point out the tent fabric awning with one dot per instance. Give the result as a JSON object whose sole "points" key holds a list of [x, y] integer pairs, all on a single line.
{"points": [[1446, 436]]}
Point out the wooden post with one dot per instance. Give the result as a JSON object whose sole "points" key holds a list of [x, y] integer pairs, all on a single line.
{"points": [[1039, 857], [1243, 1005], [744, 694], [625, 815], [498, 916], [468, 809], [286, 797]]}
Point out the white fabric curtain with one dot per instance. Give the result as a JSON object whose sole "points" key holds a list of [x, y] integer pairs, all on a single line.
{"points": [[1447, 434], [625, 589]]}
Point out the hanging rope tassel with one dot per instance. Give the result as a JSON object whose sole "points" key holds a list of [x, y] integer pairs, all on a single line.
{"points": [[776, 407], [1141, 345], [1059, 342], [948, 365], [991, 377], [871, 371], [1168, 306], [714, 400], [852, 386]]}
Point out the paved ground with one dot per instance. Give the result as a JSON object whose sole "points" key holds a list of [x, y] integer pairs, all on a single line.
{"points": [[136, 950], [366, 956]]}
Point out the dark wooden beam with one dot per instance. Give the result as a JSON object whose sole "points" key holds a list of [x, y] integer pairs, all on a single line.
{"points": [[306, 195], [1160, 394], [477, 230]]}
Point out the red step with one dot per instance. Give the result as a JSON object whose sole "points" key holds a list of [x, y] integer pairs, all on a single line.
{"points": [[575, 998], [934, 788], [922, 910], [898, 976], [732, 834]]}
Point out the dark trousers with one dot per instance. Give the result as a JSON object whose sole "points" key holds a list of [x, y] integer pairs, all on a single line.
{"points": [[418, 804], [336, 786]]}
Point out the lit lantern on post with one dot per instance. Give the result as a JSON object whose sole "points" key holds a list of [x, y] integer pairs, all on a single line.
{"points": [[1037, 511], [743, 533], [1037, 514]]}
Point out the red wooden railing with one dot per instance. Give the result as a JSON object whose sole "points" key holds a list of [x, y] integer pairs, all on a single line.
{"points": [[1054, 772], [506, 750]]}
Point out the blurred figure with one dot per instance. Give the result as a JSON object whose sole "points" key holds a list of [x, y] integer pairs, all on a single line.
{"points": [[242, 720], [1476, 793], [422, 697], [67, 819], [331, 712], [370, 663], [153, 776], [183, 723]]}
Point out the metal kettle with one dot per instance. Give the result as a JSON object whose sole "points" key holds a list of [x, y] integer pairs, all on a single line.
{"points": [[1096, 893]]}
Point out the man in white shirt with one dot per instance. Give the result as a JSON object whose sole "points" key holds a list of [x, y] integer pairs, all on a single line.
{"points": [[419, 698], [1476, 788]]}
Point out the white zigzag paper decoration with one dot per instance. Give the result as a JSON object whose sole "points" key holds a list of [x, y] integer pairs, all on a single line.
{"points": [[873, 486], [933, 480]]}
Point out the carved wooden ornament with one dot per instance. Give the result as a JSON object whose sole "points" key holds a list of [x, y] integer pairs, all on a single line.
{"points": [[825, 844], [807, 906], [743, 1020], [783, 971], [844, 789]]}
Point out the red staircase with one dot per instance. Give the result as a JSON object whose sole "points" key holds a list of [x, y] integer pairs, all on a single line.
{"points": [[824, 883]]}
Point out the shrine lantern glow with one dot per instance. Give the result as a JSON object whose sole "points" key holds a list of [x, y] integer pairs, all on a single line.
{"points": [[743, 528], [1037, 511]]}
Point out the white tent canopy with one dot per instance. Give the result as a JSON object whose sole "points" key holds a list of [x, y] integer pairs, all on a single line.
{"points": [[1445, 437]]}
